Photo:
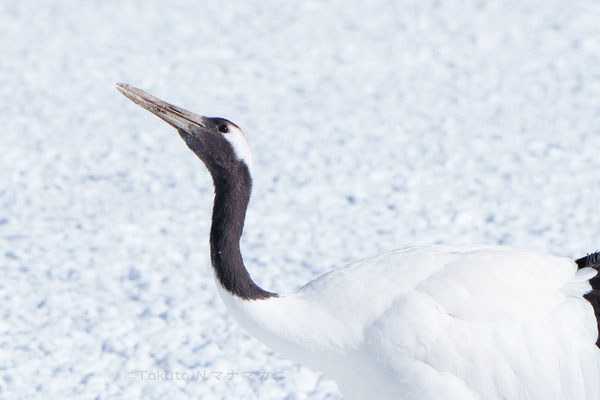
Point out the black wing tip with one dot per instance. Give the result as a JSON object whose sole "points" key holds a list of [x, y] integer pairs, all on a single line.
{"points": [[591, 260]]}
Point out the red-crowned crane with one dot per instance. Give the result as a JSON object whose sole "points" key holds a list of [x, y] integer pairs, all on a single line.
{"points": [[435, 322]]}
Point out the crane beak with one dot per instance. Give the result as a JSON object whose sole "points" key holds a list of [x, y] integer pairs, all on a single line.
{"points": [[173, 115]]}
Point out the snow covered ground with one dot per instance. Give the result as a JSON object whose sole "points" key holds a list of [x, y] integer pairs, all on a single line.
{"points": [[375, 125]]}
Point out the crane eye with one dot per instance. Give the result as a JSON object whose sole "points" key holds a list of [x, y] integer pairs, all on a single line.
{"points": [[223, 128]]}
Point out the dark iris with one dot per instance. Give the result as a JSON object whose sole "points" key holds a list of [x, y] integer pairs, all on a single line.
{"points": [[223, 128]]}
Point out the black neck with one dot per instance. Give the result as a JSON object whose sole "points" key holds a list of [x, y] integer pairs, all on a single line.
{"points": [[232, 193]]}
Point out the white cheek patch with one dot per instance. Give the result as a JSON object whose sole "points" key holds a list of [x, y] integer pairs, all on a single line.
{"points": [[241, 148]]}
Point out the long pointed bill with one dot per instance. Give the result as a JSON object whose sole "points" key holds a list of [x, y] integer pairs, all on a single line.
{"points": [[173, 115]]}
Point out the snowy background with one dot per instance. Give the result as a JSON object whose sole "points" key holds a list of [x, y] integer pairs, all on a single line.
{"points": [[375, 126]]}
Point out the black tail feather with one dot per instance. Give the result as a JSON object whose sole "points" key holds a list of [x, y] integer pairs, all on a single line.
{"points": [[593, 261]]}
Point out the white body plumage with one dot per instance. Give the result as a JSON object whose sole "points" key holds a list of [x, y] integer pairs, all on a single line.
{"points": [[440, 322]]}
